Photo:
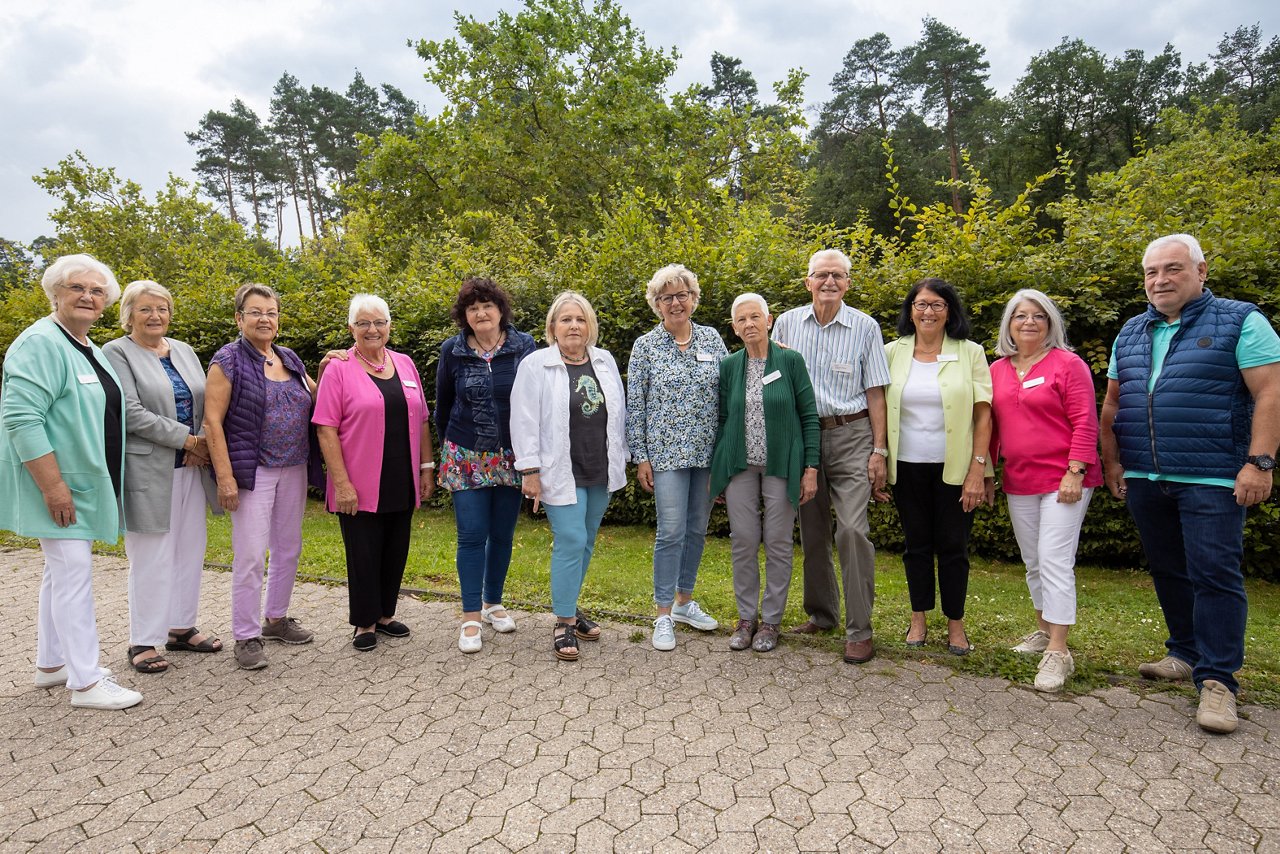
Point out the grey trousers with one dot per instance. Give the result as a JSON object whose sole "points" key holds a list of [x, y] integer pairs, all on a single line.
{"points": [[742, 499], [843, 486]]}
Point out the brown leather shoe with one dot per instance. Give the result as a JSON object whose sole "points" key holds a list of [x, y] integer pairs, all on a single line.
{"points": [[859, 652], [808, 627]]}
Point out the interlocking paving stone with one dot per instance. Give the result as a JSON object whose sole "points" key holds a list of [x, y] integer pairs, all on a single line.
{"points": [[415, 747]]}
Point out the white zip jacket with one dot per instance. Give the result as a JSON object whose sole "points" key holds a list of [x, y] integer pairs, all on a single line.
{"points": [[540, 421]]}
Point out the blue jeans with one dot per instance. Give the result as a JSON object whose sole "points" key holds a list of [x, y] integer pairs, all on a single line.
{"points": [[1193, 536], [573, 539], [486, 526], [683, 502]]}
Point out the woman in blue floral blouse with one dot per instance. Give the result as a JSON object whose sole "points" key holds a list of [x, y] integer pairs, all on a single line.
{"points": [[672, 397], [473, 410]]}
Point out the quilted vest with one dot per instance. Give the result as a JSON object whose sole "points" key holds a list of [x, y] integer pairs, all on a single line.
{"points": [[1198, 418]]}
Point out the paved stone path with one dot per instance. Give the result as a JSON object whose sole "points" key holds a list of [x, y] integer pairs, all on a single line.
{"points": [[415, 747]]}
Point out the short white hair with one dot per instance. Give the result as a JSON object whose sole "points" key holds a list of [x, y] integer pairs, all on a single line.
{"points": [[1055, 337], [367, 302], [1193, 247], [824, 254], [747, 297], [68, 267], [672, 274], [557, 305], [133, 292]]}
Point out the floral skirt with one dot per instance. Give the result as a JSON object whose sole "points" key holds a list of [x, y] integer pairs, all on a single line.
{"points": [[463, 468]]}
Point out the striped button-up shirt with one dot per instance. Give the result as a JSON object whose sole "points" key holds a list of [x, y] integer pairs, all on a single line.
{"points": [[845, 357]]}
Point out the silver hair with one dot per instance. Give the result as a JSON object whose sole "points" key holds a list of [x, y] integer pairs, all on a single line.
{"points": [[1193, 247], [68, 267], [821, 254], [672, 274], [1055, 337], [141, 288], [367, 302], [564, 298], [747, 297]]}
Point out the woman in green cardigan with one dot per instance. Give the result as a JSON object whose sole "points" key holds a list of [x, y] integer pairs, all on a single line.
{"points": [[767, 447]]}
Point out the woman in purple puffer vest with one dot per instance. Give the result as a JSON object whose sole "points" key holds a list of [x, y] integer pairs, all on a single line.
{"points": [[258, 401]]}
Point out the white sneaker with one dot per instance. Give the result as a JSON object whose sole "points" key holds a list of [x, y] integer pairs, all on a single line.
{"points": [[691, 615], [57, 677], [107, 694], [1054, 669], [502, 624], [664, 633], [470, 643], [1037, 641]]}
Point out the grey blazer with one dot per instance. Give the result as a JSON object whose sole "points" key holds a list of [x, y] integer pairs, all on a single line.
{"points": [[153, 432]]}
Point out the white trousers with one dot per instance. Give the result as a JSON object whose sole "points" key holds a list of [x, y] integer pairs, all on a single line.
{"points": [[67, 630], [164, 569], [1048, 533]]}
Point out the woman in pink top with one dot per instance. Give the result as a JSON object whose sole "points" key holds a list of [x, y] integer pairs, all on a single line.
{"points": [[370, 416], [1045, 429]]}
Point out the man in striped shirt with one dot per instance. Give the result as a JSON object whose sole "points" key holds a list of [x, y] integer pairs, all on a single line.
{"points": [[844, 351]]}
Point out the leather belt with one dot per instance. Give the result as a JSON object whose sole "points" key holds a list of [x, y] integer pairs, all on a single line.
{"points": [[836, 420]]}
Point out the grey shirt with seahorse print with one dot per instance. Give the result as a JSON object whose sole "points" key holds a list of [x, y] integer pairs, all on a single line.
{"points": [[588, 428]]}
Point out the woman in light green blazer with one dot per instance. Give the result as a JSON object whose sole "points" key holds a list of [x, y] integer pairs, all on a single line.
{"points": [[61, 466], [939, 413]]}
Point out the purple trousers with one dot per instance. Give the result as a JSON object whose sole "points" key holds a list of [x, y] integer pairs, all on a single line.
{"points": [[269, 517]]}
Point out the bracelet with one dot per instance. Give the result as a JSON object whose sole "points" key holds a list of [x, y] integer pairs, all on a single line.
{"points": [[426, 466], [526, 472]]}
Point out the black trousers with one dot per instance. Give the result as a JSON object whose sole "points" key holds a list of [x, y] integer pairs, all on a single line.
{"points": [[377, 546], [933, 525]]}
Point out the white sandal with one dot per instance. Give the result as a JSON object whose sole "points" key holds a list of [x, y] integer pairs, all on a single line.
{"points": [[470, 643], [502, 624]]}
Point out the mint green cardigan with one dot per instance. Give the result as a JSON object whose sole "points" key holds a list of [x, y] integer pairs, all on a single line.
{"points": [[792, 434], [963, 383], [51, 401]]}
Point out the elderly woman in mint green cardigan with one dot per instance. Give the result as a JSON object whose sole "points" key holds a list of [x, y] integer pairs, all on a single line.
{"points": [[767, 447]]}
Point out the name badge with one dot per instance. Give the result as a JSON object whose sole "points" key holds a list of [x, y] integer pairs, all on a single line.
{"points": [[1033, 383], [842, 367], [410, 384], [87, 379], [706, 357], [948, 357], [768, 378]]}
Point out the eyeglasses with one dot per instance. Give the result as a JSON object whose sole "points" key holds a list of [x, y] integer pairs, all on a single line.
{"points": [[148, 310], [81, 290], [1037, 317], [822, 277], [363, 325], [922, 306], [682, 297], [255, 314]]}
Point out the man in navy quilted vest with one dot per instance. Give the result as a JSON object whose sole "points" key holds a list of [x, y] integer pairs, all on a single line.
{"points": [[1190, 428]]}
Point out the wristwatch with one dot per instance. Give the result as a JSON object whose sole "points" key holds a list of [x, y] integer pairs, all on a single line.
{"points": [[1077, 468], [884, 452], [982, 461], [1266, 462]]}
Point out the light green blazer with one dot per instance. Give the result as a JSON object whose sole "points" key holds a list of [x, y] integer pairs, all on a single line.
{"points": [[963, 382], [51, 400]]}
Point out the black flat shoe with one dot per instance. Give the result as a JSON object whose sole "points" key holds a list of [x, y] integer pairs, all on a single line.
{"points": [[364, 641], [393, 629], [917, 643]]}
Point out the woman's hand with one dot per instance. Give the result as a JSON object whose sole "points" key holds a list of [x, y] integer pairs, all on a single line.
{"points": [[228, 494], [1069, 490], [428, 484], [62, 510], [340, 355], [345, 499], [1113, 476], [531, 486], [974, 491], [808, 485], [989, 490], [644, 474]]}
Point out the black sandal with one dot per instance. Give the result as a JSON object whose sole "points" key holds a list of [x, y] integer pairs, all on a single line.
{"points": [[182, 641], [565, 644], [586, 629], [154, 664]]}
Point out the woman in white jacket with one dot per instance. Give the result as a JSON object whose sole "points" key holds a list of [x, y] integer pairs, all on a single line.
{"points": [[568, 431]]}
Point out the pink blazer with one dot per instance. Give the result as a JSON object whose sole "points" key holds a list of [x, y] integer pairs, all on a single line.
{"points": [[348, 400]]}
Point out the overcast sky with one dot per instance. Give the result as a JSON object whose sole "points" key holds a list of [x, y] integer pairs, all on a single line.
{"points": [[122, 80]]}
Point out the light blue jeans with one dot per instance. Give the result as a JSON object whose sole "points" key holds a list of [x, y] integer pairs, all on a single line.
{"points": [[573, 539], [683, 502]]}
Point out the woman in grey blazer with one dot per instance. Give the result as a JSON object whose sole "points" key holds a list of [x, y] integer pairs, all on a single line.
{"points": [[166, 483]]}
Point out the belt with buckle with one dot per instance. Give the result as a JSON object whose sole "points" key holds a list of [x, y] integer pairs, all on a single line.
{"points": [[836, 420]]}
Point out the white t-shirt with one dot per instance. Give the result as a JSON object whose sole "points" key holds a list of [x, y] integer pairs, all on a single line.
{"points": [[923, 435]]}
